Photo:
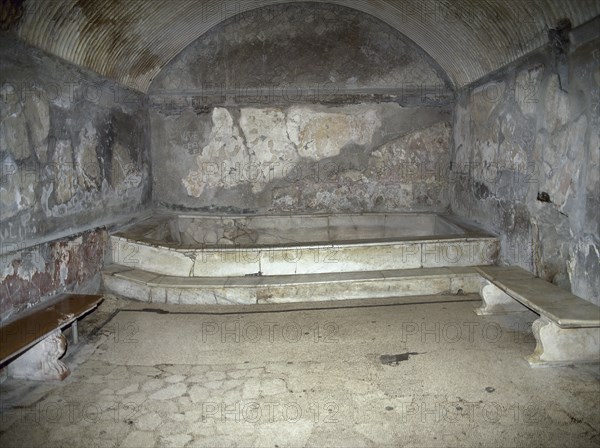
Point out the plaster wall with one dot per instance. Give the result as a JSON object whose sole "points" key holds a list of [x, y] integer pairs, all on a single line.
{"points": [[526, 152], [301, 108], [75, 159]]}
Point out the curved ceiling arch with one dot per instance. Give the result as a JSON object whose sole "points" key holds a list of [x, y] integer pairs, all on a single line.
{"points": [[131, 41]]}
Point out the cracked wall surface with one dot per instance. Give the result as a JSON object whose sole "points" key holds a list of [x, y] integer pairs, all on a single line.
{"points": [[367, 157], [74, 155], [526, 163]]}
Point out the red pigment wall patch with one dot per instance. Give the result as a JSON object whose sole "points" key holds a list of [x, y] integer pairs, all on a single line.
{"points": [[28, 276]]}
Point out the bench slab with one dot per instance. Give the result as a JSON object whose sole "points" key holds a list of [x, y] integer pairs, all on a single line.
{"points": [[37, 332], [568, 330], [560, 306]]}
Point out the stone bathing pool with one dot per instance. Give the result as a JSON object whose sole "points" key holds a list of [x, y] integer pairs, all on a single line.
{"points": [[197, 245]]}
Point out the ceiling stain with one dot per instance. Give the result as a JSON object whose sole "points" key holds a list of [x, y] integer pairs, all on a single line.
{"points": [[11, 12], [131, 41]]}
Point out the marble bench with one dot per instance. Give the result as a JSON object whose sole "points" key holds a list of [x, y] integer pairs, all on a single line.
{"points": [[568, 329], [32, 343]]}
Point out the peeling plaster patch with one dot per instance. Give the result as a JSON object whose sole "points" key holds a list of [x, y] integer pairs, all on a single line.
{"points": [[6, 268], [62, 101], [413, 166], [24, 125], [527, 90], [485, 98], [269, 141], [266, 135], [584, 257], [225, 151], [13, 134], [319, 135], [16, 193], [557, 111], [561, 170], [46, 192], [62, 164], [64, 272], [86, 158], [125, 173], [283, 202], [37, 116], [31, 263]]}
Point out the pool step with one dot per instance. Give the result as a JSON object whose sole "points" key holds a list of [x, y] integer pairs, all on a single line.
{"points": [[245, 290], [225, 261]]}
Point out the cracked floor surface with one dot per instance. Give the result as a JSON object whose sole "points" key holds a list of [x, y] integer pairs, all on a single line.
{"points": [[359, 373]]}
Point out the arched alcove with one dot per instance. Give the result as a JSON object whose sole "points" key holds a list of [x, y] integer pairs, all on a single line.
{"points": [[297, 108]]}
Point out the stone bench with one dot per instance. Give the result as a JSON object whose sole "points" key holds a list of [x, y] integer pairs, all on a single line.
{"points": [[32, 343], [568, 329]]}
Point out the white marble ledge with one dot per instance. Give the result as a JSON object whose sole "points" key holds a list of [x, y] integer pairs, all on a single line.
{"points": [[565, 309]]}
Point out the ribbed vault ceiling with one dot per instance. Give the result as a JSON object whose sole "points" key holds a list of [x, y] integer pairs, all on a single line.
{"points": [[132, 40]]}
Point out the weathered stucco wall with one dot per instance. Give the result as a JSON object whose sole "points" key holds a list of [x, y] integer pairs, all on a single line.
{"points": [[526, 163], [301, 113], [74, 153], [40, 272], [301, 158]]}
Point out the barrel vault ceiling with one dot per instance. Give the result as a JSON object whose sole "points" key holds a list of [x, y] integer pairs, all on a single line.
{"points": [[130, 41]]}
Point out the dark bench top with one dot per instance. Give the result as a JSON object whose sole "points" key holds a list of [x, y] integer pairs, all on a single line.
{"points": [[560, 306], [34, 325]]}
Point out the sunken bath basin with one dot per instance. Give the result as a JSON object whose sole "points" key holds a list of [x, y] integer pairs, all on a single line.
{"points": [[194, 245]]}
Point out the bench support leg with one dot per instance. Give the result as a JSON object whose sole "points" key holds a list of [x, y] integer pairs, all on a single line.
{"points": [[75, 332], [41, 362], [562, 346], [496, 301]]}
